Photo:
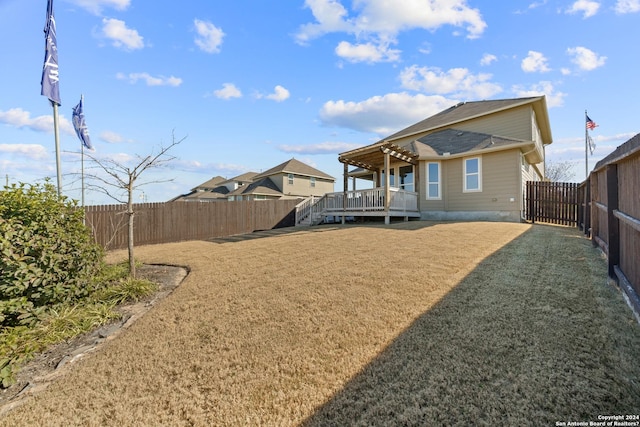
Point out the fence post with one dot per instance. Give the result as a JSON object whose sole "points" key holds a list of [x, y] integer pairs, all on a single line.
{"points": [[613, 229]]}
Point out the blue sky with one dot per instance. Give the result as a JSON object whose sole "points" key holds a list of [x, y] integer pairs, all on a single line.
{"points": [[251, 84]]}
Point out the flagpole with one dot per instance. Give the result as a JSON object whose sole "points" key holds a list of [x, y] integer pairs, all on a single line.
{"points": [[56, 133], [586, 147]]}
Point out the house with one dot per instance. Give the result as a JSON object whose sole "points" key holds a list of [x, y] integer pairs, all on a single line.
{"points": [[468, 162], [292, 179], [216, 189]]}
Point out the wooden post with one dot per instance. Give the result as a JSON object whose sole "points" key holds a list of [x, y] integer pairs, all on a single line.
{"points": [[613, 226], [387, 190], [345, 184]]}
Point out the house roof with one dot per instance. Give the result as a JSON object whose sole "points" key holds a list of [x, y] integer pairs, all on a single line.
{"points": [[455, 141], [295, 167], [263, 186], [628, 148], [245, 177], [210, 184], [465, 111], [368, 156]]}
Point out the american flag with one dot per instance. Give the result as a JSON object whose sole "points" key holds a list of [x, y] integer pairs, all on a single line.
{"points": [[591, 124]]}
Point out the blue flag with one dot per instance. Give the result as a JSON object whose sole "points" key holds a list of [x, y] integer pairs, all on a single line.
{"points": [[80, 126], [49, 80]]}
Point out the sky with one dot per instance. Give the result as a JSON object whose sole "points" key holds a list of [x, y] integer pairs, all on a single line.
{"points": [[247, 85]]}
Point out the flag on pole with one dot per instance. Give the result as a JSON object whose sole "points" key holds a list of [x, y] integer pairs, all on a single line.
{"points": [[590, 123], [592, 144], [80, 126], [50, 76]]}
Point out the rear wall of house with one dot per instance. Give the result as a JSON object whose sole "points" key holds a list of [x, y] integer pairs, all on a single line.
{"points": [[501, 186]]}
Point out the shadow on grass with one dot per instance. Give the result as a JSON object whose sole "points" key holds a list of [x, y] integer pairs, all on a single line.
{"points": [[530, 337], [260, 234]]}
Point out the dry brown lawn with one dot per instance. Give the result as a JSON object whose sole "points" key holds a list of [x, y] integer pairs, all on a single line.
{"points": [[410, 324]]}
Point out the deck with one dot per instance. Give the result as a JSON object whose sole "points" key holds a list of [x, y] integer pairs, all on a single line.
{"points": [[359, 203]]}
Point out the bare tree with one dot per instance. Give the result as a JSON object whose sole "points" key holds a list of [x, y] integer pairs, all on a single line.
{"points": [[559, 171], [119, 181]]}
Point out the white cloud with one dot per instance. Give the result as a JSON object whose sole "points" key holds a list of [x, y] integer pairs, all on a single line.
{"points": [[279, 94], [149, 79], [554, 99], [320, 148], [586, 59], [627, 6], [383, 115], [381, 21], [19, 118], [31, 151], [457, 82], [111, 137], [588, 8], [487, 59], [228, 91], [367, 52], [535, 62], [96, 6], [121, 36], [209, 36]]}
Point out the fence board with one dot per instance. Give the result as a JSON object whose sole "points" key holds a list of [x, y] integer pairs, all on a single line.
{"points": [[177, 221]]}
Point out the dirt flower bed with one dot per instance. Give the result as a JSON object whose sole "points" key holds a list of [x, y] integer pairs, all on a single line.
{"points": [[414, 323]]}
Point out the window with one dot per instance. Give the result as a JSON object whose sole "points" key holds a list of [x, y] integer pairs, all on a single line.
{"points": [[290, 176], [313, 181], [391, 178], [433, 181], [472, 174], [406, 178]]}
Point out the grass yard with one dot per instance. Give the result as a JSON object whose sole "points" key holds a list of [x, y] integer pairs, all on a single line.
{"points": [[410, 324]]}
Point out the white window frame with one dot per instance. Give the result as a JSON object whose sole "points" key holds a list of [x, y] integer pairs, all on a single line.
{"points": [[465, 175], [290, 178], [439, 182], [312, 180]]}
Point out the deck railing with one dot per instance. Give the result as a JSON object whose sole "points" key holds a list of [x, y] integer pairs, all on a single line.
{"points": [[370, 200]]}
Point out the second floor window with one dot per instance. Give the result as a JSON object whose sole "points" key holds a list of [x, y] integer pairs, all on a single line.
{"points": [[290, 177]]}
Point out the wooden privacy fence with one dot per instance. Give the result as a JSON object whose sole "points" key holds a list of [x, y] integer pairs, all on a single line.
{"points": [[178, 221], [614, 184], [552, 202]]}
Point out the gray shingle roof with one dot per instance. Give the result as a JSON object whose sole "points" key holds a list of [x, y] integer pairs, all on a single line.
{"points": [[455, 141], [296, 167]]}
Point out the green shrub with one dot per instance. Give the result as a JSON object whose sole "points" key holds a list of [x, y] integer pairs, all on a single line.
{"points": [[47, 255]]}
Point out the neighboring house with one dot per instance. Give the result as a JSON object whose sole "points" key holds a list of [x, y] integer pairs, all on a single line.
{"points": [[292, 180], [289, 180], [468, 162]]}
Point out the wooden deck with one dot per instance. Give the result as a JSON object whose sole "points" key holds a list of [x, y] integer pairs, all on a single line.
{"points": [[359, 203]]}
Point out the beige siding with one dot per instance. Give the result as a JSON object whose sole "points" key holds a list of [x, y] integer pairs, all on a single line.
{"points": [[514, 123], [500, 183], [518, 123], [302, 185]]}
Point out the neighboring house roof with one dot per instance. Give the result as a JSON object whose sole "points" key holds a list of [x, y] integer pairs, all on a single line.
{"points": [[624, 150], [295, 167], [245, 177], [264, 186], [455, 141], [210, 184]]}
